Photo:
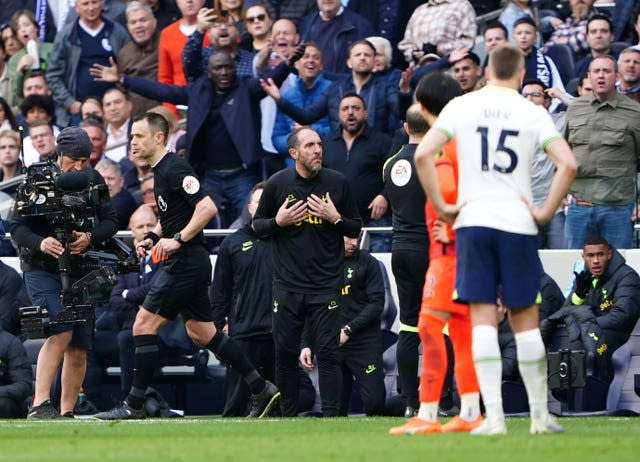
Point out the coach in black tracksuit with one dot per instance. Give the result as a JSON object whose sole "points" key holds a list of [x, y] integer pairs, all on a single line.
{"points": [[409, 252], [241, 299], [307, 210], [360, 342]]}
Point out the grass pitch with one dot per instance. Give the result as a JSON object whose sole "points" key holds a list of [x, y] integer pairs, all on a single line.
{"points": [[308, 439]]}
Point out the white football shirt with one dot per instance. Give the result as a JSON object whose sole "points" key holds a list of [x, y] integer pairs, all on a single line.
{"points": [[497, 132]]}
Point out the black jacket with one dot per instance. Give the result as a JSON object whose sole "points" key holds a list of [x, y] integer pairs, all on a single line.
{"points": [[17, 383], [362, 295], [13, 295], [242, 282]]}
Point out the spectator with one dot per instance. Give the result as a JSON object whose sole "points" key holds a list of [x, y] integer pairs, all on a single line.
{"points": [[122, 200], [439, 27], [5, 86], [13, 295], [146, 191], [7, 119], [223, 36], [284, 39], [88, 40], [258, 23], [11, 43], [468, 72], [514, 10], [384, 100], [334, 29], [9, 154], [36, 107], [140, 56], [550, 235], [360, 352], [117, 116], [25, 27], [235, 10], [573, 31], [603, 129], [230, 171], [16, 378], [91, 107], [307, 210], [537, 64], [241, 302], [97, 135], [292, 10], [383, 60], [172, 40], [599, 39], [357, 151], [310, 85], [43, 140], [603, 307], [629, 73], [35, 83], [494, 34], [165, 11]]}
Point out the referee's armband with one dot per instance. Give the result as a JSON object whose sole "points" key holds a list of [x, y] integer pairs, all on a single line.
{"points": [[576, 300]]}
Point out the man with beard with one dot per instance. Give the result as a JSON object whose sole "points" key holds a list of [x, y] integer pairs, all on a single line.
{"points": [[358, 152], [229, 159], [468, 72], [307, 210]]}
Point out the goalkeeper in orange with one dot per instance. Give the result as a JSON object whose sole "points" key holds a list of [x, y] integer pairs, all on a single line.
{"points": [[433, 93]]}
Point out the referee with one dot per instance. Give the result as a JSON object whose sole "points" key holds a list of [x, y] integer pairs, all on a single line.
{"points": [[307, 210], [181, 286]]}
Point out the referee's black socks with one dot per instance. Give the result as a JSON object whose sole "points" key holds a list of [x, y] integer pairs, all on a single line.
{"points": [[228, 352], [144, 364]]}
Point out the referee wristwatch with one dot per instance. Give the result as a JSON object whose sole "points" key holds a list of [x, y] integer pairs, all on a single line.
{"points": [[178, 238]]}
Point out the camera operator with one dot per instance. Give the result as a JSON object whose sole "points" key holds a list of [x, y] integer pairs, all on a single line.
{"points": [[40, 252]]}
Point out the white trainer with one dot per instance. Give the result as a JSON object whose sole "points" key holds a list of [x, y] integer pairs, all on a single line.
{"points": [[545, 425], [490, 428]]}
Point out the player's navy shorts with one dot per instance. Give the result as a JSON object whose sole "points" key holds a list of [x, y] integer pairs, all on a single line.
{"points": [[182, 286], [488, 257]]}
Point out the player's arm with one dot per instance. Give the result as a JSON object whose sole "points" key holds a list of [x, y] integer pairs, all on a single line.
{"points": [[561, 155], [429, 146]]}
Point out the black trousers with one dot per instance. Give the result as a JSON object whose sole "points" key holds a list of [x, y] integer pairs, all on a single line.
{"points": [[260, 352], [409, 268], [290, 310], [361, 360], [12, 409]]}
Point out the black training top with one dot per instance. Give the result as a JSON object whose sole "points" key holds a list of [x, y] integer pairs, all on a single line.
{"points": [[406, 197], [177, 192], [308, 255]]}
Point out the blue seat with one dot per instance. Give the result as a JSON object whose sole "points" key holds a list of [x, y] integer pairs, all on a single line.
{"points": [[564, 59], [622, 398]]}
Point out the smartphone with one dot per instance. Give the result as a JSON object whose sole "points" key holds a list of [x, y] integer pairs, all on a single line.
{"points": [[221, 15]]}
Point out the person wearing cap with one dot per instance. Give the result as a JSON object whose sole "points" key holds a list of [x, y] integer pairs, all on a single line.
{"points": [[40, 251]]}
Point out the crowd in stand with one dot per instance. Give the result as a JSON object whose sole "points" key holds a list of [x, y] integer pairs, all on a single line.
{"points": [[224, 66]]}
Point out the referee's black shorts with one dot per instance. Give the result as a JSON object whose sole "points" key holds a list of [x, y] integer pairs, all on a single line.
{"points": [[182, 286]]}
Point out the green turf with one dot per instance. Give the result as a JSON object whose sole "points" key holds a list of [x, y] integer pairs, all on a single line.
{"points": [[309, 439]]}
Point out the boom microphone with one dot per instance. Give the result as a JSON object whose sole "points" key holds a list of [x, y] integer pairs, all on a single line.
{"points": [[72, 181]]}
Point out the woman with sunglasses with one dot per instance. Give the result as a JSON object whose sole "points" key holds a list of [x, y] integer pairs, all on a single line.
{"points": [[258, 24]]}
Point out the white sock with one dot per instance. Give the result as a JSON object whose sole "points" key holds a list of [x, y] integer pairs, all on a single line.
{"points": [[469, 406], [428, 411], [486, 356], [532, 363]]}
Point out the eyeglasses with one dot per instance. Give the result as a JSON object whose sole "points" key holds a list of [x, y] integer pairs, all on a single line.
{"points": [[534, 94], [260, 17]]}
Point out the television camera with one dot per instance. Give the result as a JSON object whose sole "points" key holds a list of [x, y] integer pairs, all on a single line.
{"points": [[68, 201]]}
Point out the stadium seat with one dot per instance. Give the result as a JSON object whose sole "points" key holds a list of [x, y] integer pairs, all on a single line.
{"points": [[564, 59], [622, 398]]}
